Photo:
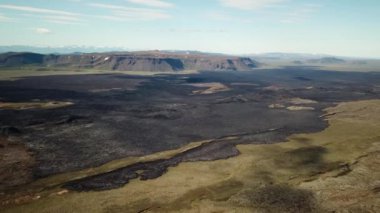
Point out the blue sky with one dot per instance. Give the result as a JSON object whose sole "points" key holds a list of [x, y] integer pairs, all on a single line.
{"points": [[338, 27]]}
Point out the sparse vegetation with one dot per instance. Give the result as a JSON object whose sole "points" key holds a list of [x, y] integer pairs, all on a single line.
{"points": [[34, 105], [211, 88], [304, 174], [165, 106]]}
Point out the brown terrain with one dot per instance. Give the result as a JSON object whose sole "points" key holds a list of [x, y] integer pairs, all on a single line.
{"points": [[16, 164]]}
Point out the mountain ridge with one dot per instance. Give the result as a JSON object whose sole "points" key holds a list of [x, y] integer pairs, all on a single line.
{"points": [[130, 61]]}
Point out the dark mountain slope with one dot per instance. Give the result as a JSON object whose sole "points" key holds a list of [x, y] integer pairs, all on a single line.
{"points": [[17, 59]]}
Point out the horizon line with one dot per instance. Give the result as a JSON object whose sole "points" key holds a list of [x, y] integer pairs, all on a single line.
{"points": [[121, 49]]}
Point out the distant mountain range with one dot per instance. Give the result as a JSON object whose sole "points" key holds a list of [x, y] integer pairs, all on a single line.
{"points": [[59, 50], [327, 60], [86, 49], [288, 56], [154, 61], [92, 49], [112, 58], [301, 56]]}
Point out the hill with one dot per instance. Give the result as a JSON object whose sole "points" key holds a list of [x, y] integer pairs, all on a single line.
{"points": [[327, 60]]}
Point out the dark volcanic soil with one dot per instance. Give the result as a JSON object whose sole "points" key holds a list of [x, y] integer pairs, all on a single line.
{"points": [[116, 116]]}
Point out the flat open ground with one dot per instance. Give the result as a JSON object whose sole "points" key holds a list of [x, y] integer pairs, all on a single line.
{"points": [[209, 141]]}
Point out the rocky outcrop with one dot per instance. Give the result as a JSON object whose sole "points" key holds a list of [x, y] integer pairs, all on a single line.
{"points": [[18, 59], [6, 131], [154, 61]]}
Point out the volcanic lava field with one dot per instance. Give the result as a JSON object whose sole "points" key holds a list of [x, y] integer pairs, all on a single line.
{"points": [[99, 132], [113, 116]]}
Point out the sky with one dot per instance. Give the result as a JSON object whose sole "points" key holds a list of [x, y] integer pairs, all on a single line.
{"points": [[336, 27]]}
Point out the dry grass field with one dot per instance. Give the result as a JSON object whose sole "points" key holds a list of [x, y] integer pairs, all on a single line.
{"points": [[34, 105]]}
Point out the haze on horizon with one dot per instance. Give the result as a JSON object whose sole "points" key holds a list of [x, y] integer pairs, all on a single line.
{"points": [[339, 27]]}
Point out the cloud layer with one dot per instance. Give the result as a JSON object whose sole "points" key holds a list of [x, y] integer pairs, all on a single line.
{"points": [[48, 15], [122, 13], [248, 4], [152, 3], [4, 18], [36, 10], [41, 30]]}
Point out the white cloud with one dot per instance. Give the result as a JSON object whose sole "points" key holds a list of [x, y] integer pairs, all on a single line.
{"points": [[196, 30], [226, 17], [122, 8], [41, 30], [152, 3], [219, 16], [301, 14], [36, 10], [47, 15], [248, 4], [63, 18], [120, 13], [143, 15], [4, 18], [58, 19], [111, 17], [114, 12]]}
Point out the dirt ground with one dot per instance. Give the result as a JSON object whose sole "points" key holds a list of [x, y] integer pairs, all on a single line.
{"points": [[16, 164]]}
